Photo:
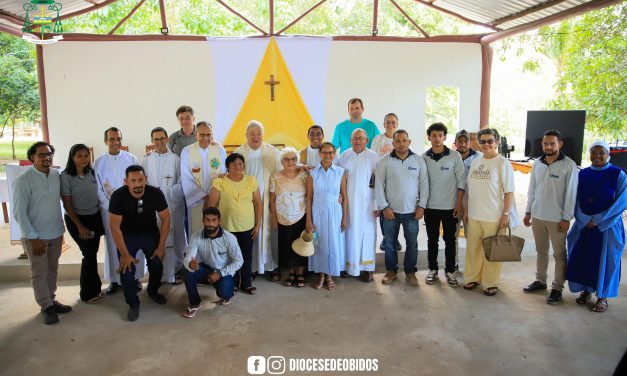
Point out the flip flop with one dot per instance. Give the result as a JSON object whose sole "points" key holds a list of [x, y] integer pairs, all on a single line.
{"points": [[96, 298], [491, 291], [190, 312], [223, 302], [600, 306], [470, 285]]}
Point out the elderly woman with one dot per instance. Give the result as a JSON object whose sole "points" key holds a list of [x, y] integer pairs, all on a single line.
{"points": [[597, 239], [262, 160], [79, 192], [288, 190], [327, 216], [237, 197], [490, 208]]}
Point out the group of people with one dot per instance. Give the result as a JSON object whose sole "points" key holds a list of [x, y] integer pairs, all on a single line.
{"points": [[199, 216]]}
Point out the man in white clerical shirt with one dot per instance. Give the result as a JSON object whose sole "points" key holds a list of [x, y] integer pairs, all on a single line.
{"points": [[162, 168], [361, 230], [110, 173], [262, 160], [310, 156], [201, 162]]}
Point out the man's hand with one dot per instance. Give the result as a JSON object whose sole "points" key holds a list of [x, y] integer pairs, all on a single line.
{"points": [[343, 224], [275, 222], [38, 246], [214, 276], [84, 233], [193, 264], [420, 212], [126, 263], [388, 214], [159, 253], [527, 220], [458, 211], [255, 232], [563, 226]]}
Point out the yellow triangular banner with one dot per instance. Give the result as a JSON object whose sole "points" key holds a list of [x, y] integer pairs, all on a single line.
{"points": [[286, 118]]}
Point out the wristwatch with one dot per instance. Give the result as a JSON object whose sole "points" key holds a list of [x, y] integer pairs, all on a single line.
{"points": [[505, 213]]}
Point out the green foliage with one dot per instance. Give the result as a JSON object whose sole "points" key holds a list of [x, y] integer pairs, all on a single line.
{"points": [[19, 91], [590, 53], [442, 105]]}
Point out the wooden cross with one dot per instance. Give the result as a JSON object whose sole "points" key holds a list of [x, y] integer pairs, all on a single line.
{"points": [[272, 82]]}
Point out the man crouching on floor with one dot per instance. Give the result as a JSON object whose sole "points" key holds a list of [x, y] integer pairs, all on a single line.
{"points": [[213, 255]]}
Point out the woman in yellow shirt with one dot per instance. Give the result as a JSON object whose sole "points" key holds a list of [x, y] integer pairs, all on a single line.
{"points": [[237, 196]]}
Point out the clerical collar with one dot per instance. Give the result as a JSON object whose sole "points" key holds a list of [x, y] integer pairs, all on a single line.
{"points": [[206, 235], [312, 148]]}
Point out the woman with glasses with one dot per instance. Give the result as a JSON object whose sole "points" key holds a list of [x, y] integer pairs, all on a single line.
{"points": [[237, 197], [288, 190], [79, 192], [326, 184], [597, 239], [490, 208]]}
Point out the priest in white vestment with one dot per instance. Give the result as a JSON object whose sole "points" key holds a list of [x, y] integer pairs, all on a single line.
{"points": [[361, 228], [110, 171], [162, 167], [201, 162], [262, 160]]}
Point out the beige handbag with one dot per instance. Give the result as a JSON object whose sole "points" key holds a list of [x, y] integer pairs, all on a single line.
{"points": [[502, 248]]}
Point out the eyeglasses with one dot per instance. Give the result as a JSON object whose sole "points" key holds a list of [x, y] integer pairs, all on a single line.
{"points": [[140, 209], [359, 138], [159, 139], [488, 141]]}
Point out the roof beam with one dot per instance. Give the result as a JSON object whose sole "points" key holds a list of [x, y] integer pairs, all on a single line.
{"points": [[430, 5], [409, 19], [11, 30], [572, 12], [271, 8], [375, 17], [437, 38], [242, 17], [301, 16], [87, 10], [139, 4], [525, 12], [164, 15], [91, 2], [11, 18]]}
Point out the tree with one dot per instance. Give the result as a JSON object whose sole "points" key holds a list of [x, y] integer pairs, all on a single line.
{"points": [[592, 63], [19, 90]]}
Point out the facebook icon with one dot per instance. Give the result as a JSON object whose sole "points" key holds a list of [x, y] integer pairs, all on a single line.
{"points": [[256, 365]]}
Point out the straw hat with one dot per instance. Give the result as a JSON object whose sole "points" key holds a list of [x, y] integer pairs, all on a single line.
{"points": [[303, 246]]}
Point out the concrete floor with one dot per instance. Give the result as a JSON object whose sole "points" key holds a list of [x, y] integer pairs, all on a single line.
{"points": [[430, 330]]}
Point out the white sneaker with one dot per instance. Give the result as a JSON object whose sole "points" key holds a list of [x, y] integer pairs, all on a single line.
{"points": [[452, 280], [431, 277]]}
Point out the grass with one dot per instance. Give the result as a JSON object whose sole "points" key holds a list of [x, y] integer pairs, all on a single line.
{"points": [[20, 149]]}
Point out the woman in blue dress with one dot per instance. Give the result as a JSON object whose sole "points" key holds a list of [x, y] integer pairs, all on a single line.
{"points": [[326, 214], [597, 239]]}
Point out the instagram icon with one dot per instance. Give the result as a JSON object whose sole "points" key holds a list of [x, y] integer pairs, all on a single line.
{"points": [[276, 365]]}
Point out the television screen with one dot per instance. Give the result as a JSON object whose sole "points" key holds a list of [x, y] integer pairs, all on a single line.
{"points": [[571, 125]]}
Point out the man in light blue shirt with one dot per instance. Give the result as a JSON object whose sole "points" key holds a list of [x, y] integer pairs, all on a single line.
{"points": [[37, 209], [344, 130], [550, 208]]}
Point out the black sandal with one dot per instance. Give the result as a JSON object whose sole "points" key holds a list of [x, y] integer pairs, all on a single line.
{"points": [[276, 275], [600, 306], [289, 281], [252, 290], [583, 297], [300, 280]]}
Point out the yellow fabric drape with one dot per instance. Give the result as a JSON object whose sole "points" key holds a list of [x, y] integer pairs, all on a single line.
{"points": [[286, 119]]}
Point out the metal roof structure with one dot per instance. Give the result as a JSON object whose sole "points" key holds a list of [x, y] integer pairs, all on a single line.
{"points": [[502, 17]]}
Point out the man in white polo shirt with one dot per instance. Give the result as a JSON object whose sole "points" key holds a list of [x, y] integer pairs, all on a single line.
{"points": [[550, 208]]}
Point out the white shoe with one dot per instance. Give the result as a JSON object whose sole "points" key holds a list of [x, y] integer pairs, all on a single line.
{"points": [[452, 280], [431, 277]]}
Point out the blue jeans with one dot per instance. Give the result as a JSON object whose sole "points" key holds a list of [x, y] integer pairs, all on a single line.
{"points": [[225, 287], [410, 232], [147, 243]]}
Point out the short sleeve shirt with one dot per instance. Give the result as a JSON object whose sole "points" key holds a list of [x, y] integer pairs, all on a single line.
{"points": [[139, 215], [83, 190]]}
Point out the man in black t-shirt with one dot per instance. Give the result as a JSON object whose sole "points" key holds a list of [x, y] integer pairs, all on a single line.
{"points": [[133, 213]]}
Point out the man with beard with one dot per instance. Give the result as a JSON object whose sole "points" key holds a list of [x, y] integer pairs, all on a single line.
{"points": [[133, 211], [213, 255], [550, 208]]}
